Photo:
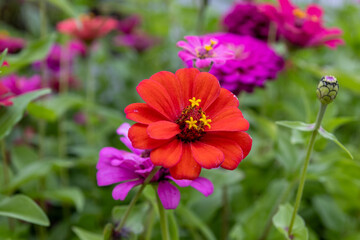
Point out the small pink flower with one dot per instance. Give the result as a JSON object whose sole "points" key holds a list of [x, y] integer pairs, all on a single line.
{"points": [[204, 51], [13, 44], [128, 24], [4, 96], [303, 28], [90, 28], [19, 85]]}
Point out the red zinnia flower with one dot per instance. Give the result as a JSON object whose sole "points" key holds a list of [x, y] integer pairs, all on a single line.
{"points": [[188, 122], [90, 28]]}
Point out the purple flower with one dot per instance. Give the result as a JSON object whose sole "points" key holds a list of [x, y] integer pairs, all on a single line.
{"points": [[130, 169], [254, 63], [60, 53], [204, 51], [137, 40], [246, 18], [13, 44], [128, 24], [19, 85]]}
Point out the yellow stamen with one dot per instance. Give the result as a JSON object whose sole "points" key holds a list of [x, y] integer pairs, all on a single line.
{"points": [[195, 102], [192, 123], [205, 121], [299, 13], [208, 47], [213, 42]]}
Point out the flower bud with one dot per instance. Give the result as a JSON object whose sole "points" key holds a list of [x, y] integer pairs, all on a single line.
{"points": [[327, 89]]}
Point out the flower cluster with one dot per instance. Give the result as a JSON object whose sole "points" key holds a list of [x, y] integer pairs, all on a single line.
{"points": [[302, 28], [188, 122], [240, 63], [130, 169], [247, 19], [18, 85]]}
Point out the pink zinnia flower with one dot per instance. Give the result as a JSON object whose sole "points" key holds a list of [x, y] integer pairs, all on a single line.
{"points": [[90, 29], [128, 24], [130, 169], [4, 96], [204, 51], [19, 85], [13, 44], [303, 28]]}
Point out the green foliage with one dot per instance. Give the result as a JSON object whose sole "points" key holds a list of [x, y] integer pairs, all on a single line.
{"points": [[23, 208]]}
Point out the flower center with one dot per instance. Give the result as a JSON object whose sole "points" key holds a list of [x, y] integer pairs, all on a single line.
{"points": [[192, 122], [206, 50]]}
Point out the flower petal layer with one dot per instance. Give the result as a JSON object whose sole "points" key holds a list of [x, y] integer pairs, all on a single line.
{"points": [[167, 155], [203, 185], [206, 88], [140, 139], [169, 195], [229, 119], [206, 155], [142, 113], [187, 167], [121, 191], [226, 99], [186, 77], [163, 130]]}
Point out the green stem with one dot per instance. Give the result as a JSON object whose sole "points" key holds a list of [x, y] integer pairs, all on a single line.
{"points": [[201, 16], [5, 162], [150, 224], [90, 97], [306, 164], [135, 198], [163, 219], [225, 214]]}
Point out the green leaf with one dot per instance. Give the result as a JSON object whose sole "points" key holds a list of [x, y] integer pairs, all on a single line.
{"points": [[2, 57], [330, 213], [332, 137], [282, 219], [192, 221], [135, 221], [39, 111], [301, 126], [65, 6], [86, 235], [9, 116], [35, 51], [69, 195], [60, 104], [23, 208]]}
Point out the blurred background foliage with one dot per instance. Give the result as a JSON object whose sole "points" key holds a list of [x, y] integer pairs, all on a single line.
{"points": [[245, 199]]}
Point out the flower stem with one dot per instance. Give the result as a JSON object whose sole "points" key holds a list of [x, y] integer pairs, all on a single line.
{"points": [[136, 197], [225, 213], [5, 162], [201, 16], [163, 219], [307, 160], [90, 97]]}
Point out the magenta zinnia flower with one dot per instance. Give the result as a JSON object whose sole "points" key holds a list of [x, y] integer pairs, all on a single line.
{"points": [[254, 63], [303, 28], [130, 169], [204, 51], [246, 19], [13, 44], [19, 85]]}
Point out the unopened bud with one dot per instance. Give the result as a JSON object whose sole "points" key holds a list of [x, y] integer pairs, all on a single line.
{"points": [[327, 89]]}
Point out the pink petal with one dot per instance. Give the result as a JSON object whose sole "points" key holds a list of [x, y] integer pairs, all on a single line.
{"points": [[121, 191], [169, 195]]}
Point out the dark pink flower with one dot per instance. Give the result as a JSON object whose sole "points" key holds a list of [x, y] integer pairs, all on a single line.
{"points": [[89, 28], [128, 24], [204, 51], [13, 44], [130, 169], [19, 85], [137, 40], [303, 28], [4, 96]]}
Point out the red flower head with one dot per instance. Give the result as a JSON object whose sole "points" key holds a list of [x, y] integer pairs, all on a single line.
{"points": [[188, 122], [90, 29]]}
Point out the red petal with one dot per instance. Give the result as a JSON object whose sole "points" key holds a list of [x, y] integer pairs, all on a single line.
{"points": [[206, 155], [242, 138], [187, 167], [232, 151], [140, 139], [206, 88], [168, 155], [186, 78], [154, 94], [225, 99], [142, 113], [172, 84], [230, 119], [163, 130]]}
